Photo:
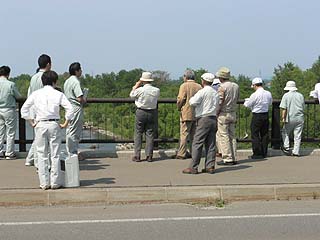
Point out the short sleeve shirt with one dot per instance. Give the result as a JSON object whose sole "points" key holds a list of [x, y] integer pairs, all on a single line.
{"points": [[8, 93], [72, 89], [293, 102], [36, 82]]}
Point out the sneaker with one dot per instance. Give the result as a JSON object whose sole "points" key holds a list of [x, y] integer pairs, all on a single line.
{"points": [[11, 157], [222, 163], [44, 187], [55, 186], [295, 155], [28, 164], [285, 151], [208, 170]]}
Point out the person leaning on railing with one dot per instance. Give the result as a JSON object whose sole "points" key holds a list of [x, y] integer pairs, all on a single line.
{"points": [[146, 97], [259, 103], [292, 105]]}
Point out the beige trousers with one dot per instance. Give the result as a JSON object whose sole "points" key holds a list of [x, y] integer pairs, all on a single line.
{"points": [[226, 136], [187, 130]]}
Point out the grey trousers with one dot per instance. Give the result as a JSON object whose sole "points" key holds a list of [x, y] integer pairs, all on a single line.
{"points": [[205, 135], [296, 127], [74, 131], [48, 138], [8, 126], [145, 123]]}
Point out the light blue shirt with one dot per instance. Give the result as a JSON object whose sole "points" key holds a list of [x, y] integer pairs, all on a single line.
{"points": [[72, 89], [36, 82], [293, 102], [8, 93]]}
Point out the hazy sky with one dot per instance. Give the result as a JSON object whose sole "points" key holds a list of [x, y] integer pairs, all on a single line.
{"points": [[247, 36]]}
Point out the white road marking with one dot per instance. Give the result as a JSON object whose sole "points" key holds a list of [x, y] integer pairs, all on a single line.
{"points": [[160, 219]]}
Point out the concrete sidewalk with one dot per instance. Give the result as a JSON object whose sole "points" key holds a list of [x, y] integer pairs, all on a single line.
{"points": [[117, 179]]}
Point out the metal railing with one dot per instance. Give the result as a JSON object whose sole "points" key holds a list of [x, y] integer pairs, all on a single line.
{"points": [[112, 121]]}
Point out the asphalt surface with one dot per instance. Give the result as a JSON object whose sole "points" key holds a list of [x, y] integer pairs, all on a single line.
{"points": [[245, 220]]}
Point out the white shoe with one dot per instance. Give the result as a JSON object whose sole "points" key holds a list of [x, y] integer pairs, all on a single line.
{"points": [[45, 187], [28, 164]]}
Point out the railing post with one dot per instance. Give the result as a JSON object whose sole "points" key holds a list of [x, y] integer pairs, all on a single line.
{"points": [[275, 126], [22, 130], [156, 130]]}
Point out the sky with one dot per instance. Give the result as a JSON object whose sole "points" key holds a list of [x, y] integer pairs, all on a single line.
{"points": [[250, 37]]}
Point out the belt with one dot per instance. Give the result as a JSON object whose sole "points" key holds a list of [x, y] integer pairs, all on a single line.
{"points": [[147, 109], [262, 113], [50, 120]]}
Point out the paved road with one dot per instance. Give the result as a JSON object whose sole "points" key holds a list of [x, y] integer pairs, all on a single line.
{"points": [[250, 220]]}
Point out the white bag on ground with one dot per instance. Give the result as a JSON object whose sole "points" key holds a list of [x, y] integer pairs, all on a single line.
{"points": [[72, 172]]}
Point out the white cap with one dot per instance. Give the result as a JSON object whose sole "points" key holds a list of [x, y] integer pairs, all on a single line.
{"points": [[216, 81], [255, 81], [146, 77], [290, 86], [209, 77]]}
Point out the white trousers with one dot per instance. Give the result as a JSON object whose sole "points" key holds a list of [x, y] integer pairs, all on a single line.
{"points": [[295, 127], [8, 126], [48, 138]]}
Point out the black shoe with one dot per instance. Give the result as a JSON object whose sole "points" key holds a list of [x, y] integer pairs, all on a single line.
{"points": [[149, 159], [256, 157], [285, 151], [208, 170], [221, 163]]}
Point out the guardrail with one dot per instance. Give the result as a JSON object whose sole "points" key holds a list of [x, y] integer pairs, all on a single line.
{"points": [[111, 120]]}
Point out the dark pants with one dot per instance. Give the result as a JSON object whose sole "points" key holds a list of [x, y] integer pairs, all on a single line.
{"points": [[145, 123], [205, 134], [260, 134]]}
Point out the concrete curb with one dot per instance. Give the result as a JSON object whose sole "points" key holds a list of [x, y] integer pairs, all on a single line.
{"points": [[104, 196]]}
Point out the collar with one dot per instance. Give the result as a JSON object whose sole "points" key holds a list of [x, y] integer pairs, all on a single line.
{"points": [[3, 78]]}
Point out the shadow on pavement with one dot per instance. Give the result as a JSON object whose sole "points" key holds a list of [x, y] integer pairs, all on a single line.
{"points": [[231, 168], [92, 165], [84, 183]]}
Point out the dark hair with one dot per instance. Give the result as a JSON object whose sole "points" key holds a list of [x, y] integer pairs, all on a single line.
{"points": [[5, 71], [258, 84], [44, 60], [74, 67], [49, 78]]}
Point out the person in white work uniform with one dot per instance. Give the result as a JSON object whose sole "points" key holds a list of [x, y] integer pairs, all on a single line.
{"points": [[205, 101], [46, 103], [146, 97], [259, 103], [8, 115], [44, 63], [72, 89]]}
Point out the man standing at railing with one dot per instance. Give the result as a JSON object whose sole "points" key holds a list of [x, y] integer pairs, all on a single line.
{"points": [[8, 116], [44, 63], [292, 105], [187, 119], [146, 97], [227, 117], [72, 89], [205, 102], [259, 103]]}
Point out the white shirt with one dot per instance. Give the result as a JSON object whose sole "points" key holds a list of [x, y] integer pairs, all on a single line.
{"points": [[259, 101], [146, 96], [205, 102], [317, 90], [46, 103]]}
